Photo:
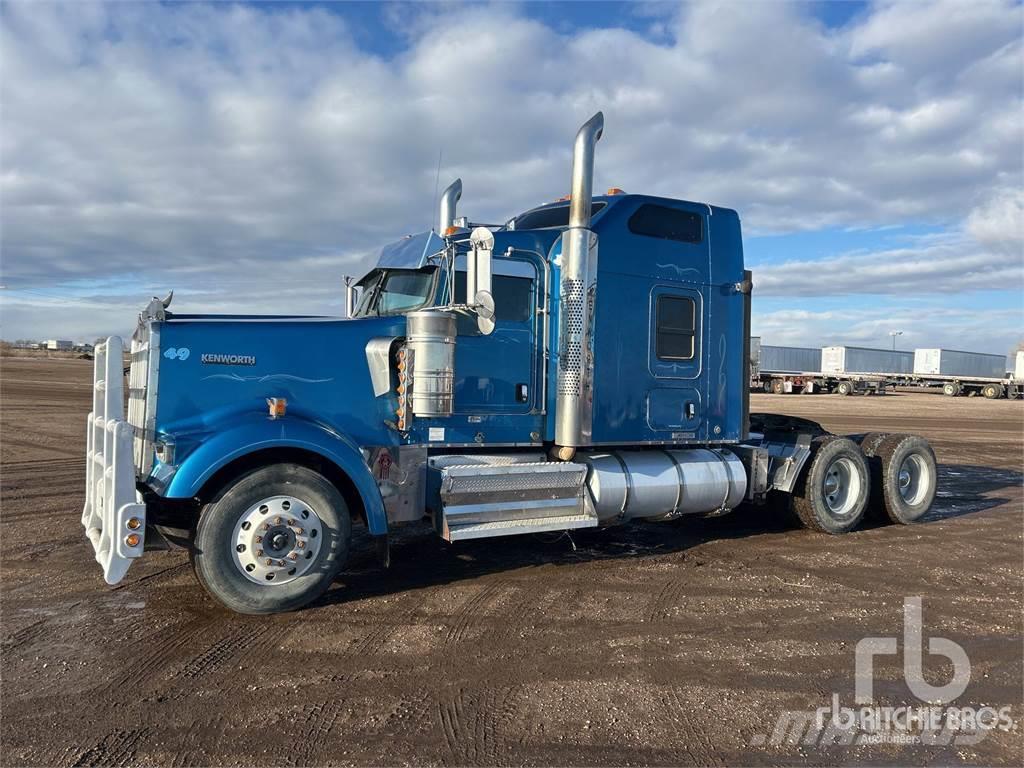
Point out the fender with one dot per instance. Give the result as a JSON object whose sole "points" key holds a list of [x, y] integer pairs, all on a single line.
{"points": [[257, 433]]}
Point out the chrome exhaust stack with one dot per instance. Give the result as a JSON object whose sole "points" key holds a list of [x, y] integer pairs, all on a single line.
{"points": [[449, 199], [573, 409]]}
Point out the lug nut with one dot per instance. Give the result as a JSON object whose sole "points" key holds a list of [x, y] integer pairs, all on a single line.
{"points": [[265, 527], [292, 522], [278, 520], [269, 561], [293, 556], [300, 544], [259, 539], [259, 553]]}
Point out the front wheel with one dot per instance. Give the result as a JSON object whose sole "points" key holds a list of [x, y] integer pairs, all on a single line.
{"points": [[833, 494], [951, 389], [273, 540], [844, 388]]}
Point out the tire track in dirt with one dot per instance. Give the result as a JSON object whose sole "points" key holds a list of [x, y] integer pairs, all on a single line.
{"points": [[24, 635], [205, 731], [37, 467], [10, 442], [695, 740], [150, 578], [157, 649], [380, 632], [471, 610], [238, 641], [472, 726], [666, 599], [319, 722], [117, 748], [526, 604]]}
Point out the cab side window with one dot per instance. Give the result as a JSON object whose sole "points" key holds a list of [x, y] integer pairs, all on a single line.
{"points": [[675, 328]]}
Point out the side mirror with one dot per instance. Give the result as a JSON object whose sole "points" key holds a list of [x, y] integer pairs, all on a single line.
{"points": [[478, 278], [351, 296]]}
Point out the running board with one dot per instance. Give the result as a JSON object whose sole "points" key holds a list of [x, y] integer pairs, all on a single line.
{"points": [[483, 499]]}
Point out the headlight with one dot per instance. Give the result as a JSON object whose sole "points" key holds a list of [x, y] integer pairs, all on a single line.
{"points": [[164, 448]]}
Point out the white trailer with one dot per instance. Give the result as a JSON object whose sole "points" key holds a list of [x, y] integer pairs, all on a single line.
{"points": [[788, 370], [966, 373]]}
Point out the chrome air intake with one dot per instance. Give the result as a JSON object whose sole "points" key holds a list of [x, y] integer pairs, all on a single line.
{"points": [[664, 484], [449, 199], [578, 283], [431, 340]]}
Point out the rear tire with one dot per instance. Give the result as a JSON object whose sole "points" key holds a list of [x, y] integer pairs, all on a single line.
{"points": [[300, 519], [833, 494], [992, 391], [844, 388], [951, 389], [778, 387], [869, 445], [908, 477]]}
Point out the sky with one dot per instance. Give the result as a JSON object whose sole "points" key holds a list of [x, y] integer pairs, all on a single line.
{"points": [[250, 155]]}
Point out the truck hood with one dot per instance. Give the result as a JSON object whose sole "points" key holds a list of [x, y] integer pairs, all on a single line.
{"points": [[215, 369]]}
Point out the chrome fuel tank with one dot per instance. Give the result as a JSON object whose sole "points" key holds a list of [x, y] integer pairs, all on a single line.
{"points": [[664, 483]]}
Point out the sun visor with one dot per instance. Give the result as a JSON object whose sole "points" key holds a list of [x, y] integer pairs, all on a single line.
{"points": [[410, 252]]}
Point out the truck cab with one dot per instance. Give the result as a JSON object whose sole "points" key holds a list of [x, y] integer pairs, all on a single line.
{"points": [[583, 364]]}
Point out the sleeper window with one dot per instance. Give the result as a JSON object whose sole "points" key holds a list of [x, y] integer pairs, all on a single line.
{"points": [[675, 328]]}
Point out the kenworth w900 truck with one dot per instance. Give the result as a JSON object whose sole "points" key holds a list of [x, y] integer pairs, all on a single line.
{"points": [[583, 365]]}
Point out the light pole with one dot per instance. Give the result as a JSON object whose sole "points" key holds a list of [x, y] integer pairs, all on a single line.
{"points": [[894, 334]]}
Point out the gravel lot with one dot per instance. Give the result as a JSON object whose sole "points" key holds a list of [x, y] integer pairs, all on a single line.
{"points": [[660, 644]]}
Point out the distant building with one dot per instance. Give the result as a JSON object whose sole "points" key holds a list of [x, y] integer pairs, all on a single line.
{"points": [[61, 345]]}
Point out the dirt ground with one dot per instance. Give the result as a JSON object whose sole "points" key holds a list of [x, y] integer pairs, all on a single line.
{"points": [[660, 644]]}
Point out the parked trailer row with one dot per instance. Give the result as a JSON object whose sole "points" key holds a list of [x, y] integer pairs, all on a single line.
{"points": [[785, 370], [862, 370], [967, 373]]}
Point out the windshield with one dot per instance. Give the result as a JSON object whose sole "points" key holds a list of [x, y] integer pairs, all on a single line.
{"points": [[393, 291]]}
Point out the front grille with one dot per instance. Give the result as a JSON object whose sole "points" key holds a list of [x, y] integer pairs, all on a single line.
{"points": [[145, 359]]}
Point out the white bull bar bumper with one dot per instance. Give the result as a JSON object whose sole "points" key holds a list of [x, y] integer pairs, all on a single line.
{"points": [[114, 513]]}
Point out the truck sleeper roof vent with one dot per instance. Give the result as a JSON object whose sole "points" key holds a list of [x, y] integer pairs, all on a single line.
{"points": [[573, 416]]}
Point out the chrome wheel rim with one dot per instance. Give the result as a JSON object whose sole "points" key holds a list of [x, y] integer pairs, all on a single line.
{"points": [[914, 479], [276, 541], [841, 487]]}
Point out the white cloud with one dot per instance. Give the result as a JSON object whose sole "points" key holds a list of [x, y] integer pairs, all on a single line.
{"points": [[227, 150]]}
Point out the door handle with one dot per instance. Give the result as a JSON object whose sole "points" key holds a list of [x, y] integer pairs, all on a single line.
{"points": [[691, 410]]}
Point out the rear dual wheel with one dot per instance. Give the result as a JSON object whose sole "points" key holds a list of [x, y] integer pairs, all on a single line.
{"points": [[833, 494], [992, 391], [904, 477]]}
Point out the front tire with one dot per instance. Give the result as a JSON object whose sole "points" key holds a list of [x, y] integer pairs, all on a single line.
{"points": [[273, 540], [844, 388], [833, 494], [951, 389]]}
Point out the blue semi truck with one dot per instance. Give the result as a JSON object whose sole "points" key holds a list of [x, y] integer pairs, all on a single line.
{"points": [[494, 380]]}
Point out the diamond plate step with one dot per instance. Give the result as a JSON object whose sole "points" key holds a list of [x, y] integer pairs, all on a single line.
{"points": [[506, 498]]}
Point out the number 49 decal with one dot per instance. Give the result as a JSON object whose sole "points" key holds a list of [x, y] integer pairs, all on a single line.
{"points": [[179, 353]]}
